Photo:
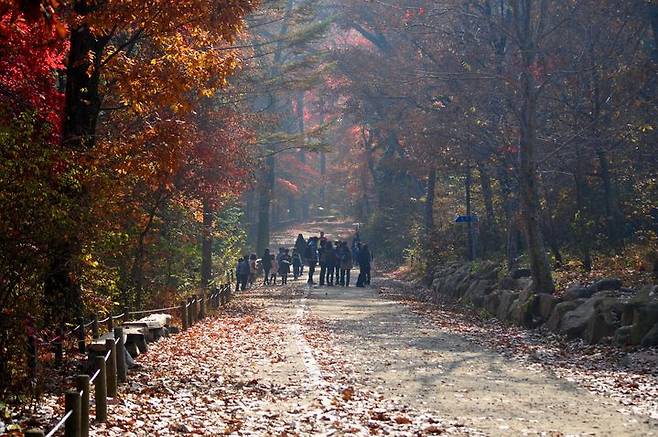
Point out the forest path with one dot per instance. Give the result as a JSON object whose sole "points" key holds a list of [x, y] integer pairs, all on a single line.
{"points": [[390, 349], [407, 358]]}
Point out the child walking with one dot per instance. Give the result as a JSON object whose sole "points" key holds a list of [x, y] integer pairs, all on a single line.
{"points": [[284, 266]]}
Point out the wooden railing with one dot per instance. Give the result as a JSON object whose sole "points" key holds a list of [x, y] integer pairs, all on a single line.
{"points": [[111, 368]]}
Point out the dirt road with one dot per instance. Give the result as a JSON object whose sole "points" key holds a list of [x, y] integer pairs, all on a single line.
{"points": [[402, 354]]}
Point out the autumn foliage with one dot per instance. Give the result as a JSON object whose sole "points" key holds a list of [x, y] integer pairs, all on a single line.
{"points": [[117, 137]]}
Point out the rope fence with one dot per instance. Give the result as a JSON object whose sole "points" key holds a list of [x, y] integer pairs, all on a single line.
{"points": [[111, 367]]}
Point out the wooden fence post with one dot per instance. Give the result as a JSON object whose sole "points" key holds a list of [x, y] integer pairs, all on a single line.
{"points": [[72, 403], [100, 390], [34, 433], [110, 323], [94, 327], [126, 314], [82, 384], [111, 368], [197, 305], [202, 305], [58, 347], [82, 347], [183, 315], [33, 353], [122, 371], [59, 352], [190, 312]]}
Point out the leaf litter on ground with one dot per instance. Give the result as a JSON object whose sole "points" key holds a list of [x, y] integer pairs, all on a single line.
{"points": [[629, 376]]}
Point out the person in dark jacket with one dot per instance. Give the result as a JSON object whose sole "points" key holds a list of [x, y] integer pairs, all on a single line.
{"points": [[296, 264], [364, 259], [275, 269], [238, 274], [337, 264], [300, 246], [242, 272], [329, 263], [356, 244], [322, 260], [266, 262], [345, 261], [284, 265], [311, 257]]}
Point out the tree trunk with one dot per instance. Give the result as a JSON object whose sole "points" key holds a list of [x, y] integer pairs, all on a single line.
{"points": [[137, 271], [265, 188], [580, 219], [470, 250], [510, 210], [429, 202], [492, 232], [206, 245], [549, 223], [529, 198], [614, 216], [81, 108], [302, 156]]}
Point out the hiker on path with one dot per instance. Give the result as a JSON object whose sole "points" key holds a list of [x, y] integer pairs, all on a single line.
{"points": [[275, 269], [356, 244], [253, 268], [266, 262], [364, 258], [345, 259], [337, 263], [300, 246], [311, 257], [322, 259], [330, 263], [284, 266], [296, 264], [242, 272]]}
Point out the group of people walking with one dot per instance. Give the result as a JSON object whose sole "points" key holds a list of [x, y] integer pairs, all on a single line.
{"points": [[336, 260]]}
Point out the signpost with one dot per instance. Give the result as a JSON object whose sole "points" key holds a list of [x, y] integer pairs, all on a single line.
{"points": [[469, 219], [466, 219]]}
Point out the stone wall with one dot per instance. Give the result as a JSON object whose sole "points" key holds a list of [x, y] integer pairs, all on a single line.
{"points": [[604, 311]]}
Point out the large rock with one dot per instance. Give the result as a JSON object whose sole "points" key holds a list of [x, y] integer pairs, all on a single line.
{"points": [[559, 311], [486, 270], [588, 321], [545, 305], [623, 336], [508, 283], [491, 302], [607, 284], [507, 297], [460, 288], [651, 337], [647, 294], [522, 310], [645, 317], [577, 291], [525, 284], [598, 328], [478, 289], [520, 273]]}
